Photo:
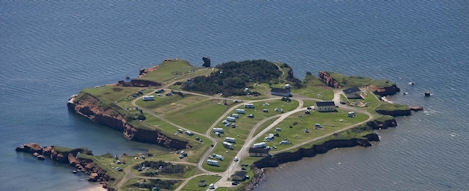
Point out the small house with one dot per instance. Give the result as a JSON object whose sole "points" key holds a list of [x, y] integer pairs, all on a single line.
{"points": [[278, 129], [218, 130], [251, 115], [325, 106], [148, 98], [235, 115], [212, 162], [284, 92], [284, 142], [317, 126], [353, 93], [351, 114], [249, 106], [240, 111], [227, 145], [265, 110], [230, 139], [231, 119], [259, 145]]}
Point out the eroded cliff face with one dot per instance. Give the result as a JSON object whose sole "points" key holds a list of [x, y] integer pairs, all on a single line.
{"points": [[280, 158], [328, 80], [89, 107], [382, 125]]}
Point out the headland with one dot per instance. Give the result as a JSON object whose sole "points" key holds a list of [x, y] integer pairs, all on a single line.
{"points": [[222, 125]]}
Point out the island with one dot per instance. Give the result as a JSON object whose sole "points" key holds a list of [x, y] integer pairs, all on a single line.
{"points": [[221, 126]]}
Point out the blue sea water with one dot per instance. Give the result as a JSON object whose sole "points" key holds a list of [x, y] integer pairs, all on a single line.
{"points": [[50, 50]]}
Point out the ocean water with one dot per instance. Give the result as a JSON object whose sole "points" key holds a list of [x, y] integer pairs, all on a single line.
{"points": [[51, 50]]}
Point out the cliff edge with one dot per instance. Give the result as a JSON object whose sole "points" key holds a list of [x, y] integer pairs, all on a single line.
{"points": [[89, 107]]}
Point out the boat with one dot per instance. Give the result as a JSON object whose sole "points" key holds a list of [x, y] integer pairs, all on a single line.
{"points": [[427, 93]]}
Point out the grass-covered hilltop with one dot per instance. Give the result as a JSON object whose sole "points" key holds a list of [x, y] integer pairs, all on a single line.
{"points": [[221, 125]]}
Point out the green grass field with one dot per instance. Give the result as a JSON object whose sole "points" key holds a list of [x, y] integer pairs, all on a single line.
{"points": [[293, 128], [198, 116], [193, 184]]}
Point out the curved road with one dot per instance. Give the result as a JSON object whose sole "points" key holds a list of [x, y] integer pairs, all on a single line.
{"points": [[243, 152]]}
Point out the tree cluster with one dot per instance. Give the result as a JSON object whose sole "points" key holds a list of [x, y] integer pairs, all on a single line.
{"points": [[232, 77]]}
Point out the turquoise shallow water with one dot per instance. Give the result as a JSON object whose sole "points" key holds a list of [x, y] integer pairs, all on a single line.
{"points": [[51, 50]]}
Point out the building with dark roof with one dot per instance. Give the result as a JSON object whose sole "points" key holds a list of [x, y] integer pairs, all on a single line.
{"points": [[353, 93], [258, 152], [284, 92], [325, 106]]}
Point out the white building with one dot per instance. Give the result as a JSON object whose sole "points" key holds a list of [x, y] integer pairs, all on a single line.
{"points": [[249, 106]]}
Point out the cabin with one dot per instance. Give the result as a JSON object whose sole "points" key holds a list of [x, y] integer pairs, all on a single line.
{"points": [[249, 106], [212, 162], [353, 93], [148, 98], [227, 145], [325, 106], [283, 92], [258, 152], [230, 139], [240, 111], [218, 130], [231, 119], [259, 145]]}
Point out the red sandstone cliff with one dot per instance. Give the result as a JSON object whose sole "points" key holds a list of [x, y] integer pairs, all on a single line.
{"points": [[89, 107], [326, 78]]}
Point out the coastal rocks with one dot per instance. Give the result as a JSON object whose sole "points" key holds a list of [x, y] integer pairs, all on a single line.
{"points": [[395, 113], [416, 108], [380, 125], [89, 107], [276, 160], [69, 156], [326, 78]]}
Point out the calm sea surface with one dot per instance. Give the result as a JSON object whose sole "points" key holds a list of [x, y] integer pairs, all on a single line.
{"points": [[50, 50]]}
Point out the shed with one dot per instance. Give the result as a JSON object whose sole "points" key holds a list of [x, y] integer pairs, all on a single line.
{"points": [[351, 114], [190, 133], [235, 115]]}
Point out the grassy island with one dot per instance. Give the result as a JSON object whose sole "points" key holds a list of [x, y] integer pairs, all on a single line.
{"points": [[217, 122]]}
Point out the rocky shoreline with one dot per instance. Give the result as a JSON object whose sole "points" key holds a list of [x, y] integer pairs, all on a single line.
{"points": [[87, 166]]}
